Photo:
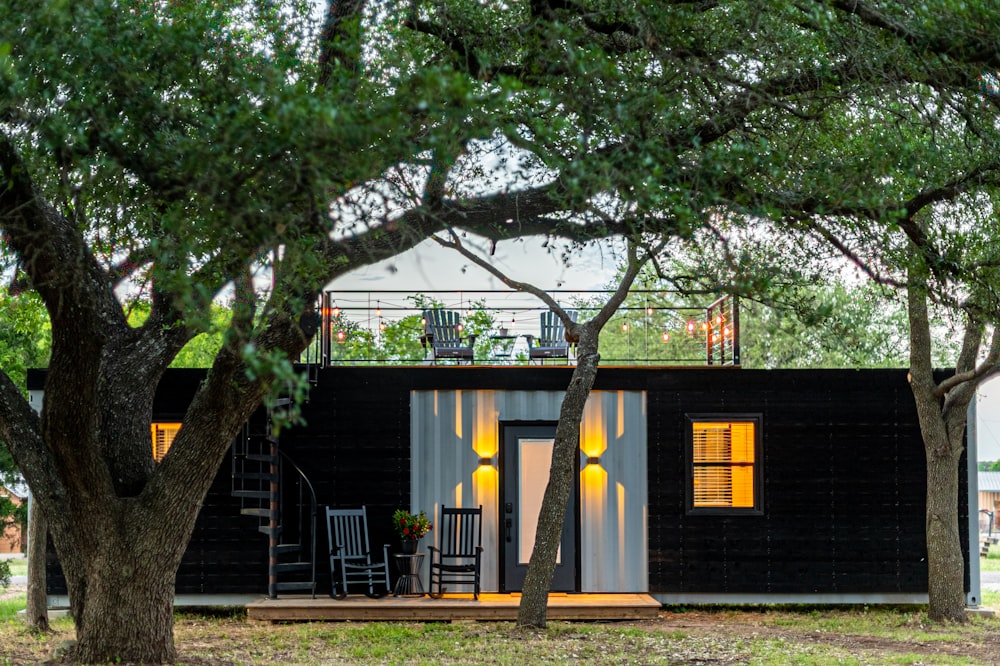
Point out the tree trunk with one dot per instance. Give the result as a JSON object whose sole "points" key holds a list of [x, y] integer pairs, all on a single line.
{"points": [[123, 599], [37, 610], [535, 593], [941, 413], [945, 564]]}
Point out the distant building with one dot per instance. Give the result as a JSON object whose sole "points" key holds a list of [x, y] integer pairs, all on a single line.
{"points": [[11, 539], [989, 501]]}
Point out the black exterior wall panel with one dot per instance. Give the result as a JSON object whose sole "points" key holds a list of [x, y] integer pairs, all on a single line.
{"points": [[842, 493]]}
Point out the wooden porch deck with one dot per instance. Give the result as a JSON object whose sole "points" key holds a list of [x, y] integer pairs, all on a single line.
{"points": [[578, 607]]}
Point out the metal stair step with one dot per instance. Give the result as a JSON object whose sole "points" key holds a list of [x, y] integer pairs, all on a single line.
{"points": [[262, 457], [259, 476], [294, 566], [295, 585], [276, 532], [263, 513], [258, 494], [286, 548]]}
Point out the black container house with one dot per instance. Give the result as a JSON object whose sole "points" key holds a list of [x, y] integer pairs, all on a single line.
{"points": [[714, 484]]}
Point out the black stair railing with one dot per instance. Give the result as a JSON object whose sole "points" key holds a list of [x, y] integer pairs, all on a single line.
{"points": [[258, 472]]}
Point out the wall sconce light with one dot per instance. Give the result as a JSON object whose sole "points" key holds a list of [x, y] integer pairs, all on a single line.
{"points": [[486, 461], [593, 460]]}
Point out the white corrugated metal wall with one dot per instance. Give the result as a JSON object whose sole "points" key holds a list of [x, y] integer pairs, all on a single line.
{"points": [[451, 432]]}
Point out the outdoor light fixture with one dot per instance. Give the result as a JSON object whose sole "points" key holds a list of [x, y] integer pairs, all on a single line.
{"points": [[336, 310], [666, 336], [690, 328], [341, 337], [381, 324], [378, 309], [625, 326], [649, 310], [593, 460], [485, 461]]}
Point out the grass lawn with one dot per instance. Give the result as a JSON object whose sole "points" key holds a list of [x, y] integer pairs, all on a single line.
{"points": [[18, 566], [992, 561], [760, 635]]}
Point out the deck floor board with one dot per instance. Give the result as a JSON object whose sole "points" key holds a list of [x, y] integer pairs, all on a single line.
{"points": [[497, 607]]}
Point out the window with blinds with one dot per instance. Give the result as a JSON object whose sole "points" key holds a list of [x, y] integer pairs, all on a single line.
{"points": [[163, 437], [724, 463]]}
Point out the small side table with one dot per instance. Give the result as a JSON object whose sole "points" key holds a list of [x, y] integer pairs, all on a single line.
{"points": [[409, 566]]}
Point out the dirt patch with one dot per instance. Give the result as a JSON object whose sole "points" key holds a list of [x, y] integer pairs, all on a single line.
{"points": [[13, 591], [718, 637]]}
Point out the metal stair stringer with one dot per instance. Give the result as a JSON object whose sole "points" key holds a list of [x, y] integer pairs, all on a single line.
{"points": [[259, 468]]}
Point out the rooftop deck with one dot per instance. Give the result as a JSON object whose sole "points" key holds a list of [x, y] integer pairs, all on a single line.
{"points": [[652, 328]]}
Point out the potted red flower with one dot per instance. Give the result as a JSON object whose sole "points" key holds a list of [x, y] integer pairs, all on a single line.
{"points": [[411, 527]]}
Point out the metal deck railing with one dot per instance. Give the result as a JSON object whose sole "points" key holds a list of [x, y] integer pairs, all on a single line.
{"points": [[652, 328]]}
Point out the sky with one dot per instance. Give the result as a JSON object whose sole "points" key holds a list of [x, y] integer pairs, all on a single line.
{"points": [[432, 267], [988, 420]]}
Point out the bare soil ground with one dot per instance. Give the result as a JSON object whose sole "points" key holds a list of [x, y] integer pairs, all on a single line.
{"points": [[723, 636]]}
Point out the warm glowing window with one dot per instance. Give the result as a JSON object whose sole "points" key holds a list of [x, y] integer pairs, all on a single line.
{"points": [[724, 463], [163, 437]]}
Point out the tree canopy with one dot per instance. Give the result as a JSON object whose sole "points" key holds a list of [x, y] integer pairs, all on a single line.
{"points": [[258, 150]]}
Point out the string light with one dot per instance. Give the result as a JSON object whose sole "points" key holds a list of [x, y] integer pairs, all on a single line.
{"points": [[378, 309], [336, 310], [341, 337], [625, 325], [666, 336], [690, 328]]}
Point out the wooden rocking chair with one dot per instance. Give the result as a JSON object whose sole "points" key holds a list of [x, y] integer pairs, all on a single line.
{"points": [[350, 557], [551, 342], [459, 555], [443, 330]]}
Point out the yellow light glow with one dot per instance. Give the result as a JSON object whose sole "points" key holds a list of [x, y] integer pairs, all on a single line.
{"points": [[484, 435], [484, 484], [592, 430]]}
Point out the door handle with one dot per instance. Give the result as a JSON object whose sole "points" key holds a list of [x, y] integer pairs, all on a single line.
{"points": [[507, 524]]}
